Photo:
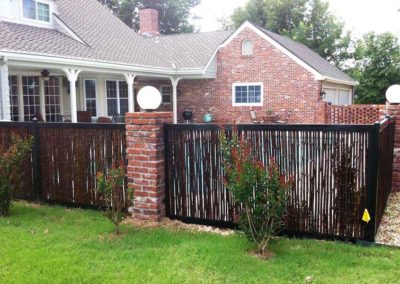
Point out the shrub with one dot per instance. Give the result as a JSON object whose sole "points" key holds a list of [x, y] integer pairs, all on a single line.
{"points": [[111, 189], [10, 163], [261, 191]]}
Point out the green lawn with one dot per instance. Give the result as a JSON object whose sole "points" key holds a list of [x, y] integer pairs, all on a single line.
{"points": [[44, 244]]}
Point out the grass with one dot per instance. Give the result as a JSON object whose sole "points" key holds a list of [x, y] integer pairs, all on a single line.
{"points": [[52, 244]]}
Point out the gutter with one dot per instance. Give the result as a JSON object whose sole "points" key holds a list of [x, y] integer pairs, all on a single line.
{"points": [[84, 64]]}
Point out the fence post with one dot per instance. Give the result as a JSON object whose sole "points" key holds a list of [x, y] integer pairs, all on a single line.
{"points": [[37, 181], [372, 180], [166, 158], [146, 162]]}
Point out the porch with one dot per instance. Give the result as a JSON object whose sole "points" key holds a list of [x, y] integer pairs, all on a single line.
{"points": [[57, 94]]}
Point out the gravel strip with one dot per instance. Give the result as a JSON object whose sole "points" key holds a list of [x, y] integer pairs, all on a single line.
{"points": [[389, 230]]}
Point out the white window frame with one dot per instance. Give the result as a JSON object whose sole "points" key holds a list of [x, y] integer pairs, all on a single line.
{"points": [[118, 95], [96, 95], [170, 95], [59, 97], [247, 84], [37, 21]]}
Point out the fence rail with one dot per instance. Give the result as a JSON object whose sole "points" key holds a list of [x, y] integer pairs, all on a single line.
{"points": [[332, 166], [66, 158]]}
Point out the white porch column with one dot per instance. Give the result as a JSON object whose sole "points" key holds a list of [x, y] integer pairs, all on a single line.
{"points": [[72, 76], [42, 100], [5, 108], [174, 82], [130, 80]]}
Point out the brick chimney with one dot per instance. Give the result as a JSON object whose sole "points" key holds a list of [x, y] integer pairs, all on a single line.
{"points": [[148, 18]]}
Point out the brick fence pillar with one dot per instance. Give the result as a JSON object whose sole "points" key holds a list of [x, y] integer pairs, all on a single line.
{"points": [[394, 111], [146, 163]]}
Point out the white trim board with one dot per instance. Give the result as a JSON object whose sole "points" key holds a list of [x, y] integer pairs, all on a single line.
{"points": [[236, 84]]}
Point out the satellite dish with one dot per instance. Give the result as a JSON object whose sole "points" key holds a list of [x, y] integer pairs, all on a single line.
{"points": [[149, 98], [393, 94]]}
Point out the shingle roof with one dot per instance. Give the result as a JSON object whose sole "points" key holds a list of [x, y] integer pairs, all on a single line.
{"points": [[309, 57], [107, 39], [190, 50]]}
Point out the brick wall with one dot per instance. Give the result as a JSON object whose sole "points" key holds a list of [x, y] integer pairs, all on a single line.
{"points": [[352, 114], [287, 85], [146, 163]]}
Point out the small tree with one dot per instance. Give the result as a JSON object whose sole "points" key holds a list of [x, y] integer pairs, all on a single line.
{"points": [[110, 187], [262, 191], [10, 163]]}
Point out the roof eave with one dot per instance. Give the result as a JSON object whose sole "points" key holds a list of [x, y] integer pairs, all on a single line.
{"points": [[338, 81], [85, 64]]}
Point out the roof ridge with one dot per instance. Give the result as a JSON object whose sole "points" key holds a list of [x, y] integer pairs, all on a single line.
{"points": [[193, 34]]}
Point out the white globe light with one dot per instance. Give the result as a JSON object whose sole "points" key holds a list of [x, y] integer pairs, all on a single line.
{"points": [[393, 94], [149, 98]]}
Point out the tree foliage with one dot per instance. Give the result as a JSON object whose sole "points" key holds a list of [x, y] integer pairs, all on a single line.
{"points": [[10, 164], [173, 14], [110, 187], [376, 66], [262, 191], [307, 21]]}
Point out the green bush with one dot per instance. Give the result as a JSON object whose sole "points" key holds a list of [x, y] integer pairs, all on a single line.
{"points": [[10, 164], [111, 189], [262, 191]]}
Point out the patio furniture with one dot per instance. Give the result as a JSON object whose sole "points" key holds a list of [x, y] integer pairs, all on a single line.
{"points": [[286, 118], [269, 118], [38, 117], [84, 116], [254, 117], [103, 119]]}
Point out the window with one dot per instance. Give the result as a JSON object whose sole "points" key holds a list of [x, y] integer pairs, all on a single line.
{"points": [[117, 97], [247, 94], [247, 47], [166, 92], [30, 94], [36, 10], [52, 99], [14, 101], [7, 8], [90, 96]]}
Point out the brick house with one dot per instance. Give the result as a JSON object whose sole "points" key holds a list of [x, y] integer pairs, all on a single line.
{"points": [[58, 57]]}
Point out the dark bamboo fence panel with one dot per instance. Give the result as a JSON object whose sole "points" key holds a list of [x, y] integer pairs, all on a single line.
{"points": [[329, 166], [386, 147], [24, 189], [196, 190], [66, 158], [71, 157]]}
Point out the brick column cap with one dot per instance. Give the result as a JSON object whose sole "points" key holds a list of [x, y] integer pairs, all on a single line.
{"points": [[147, 115]]}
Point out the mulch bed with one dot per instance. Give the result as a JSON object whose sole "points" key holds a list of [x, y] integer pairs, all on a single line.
{"points": [[389, 230], [177, 225]]}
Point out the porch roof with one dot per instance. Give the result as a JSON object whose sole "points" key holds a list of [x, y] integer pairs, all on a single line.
{"points": [[104, 38]]}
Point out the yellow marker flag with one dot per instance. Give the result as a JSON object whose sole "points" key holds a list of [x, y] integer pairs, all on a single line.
{"points": [[366, 218]]}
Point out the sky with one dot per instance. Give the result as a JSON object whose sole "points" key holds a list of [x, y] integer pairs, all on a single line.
{"points": [[359, 16]]}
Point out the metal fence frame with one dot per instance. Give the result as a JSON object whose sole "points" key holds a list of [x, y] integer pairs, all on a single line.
{"points": [[35, 129], [373, 175]]}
